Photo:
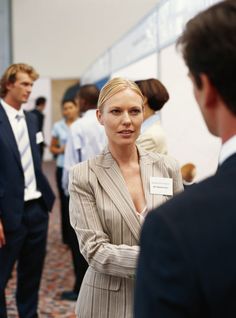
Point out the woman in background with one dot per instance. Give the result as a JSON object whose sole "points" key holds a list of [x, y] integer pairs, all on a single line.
{"points": [[152, 136], [60, 131], [110, 195]]}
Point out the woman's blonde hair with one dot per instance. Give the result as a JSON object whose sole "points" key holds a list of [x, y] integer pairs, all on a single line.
{"points": [[114, 86]]}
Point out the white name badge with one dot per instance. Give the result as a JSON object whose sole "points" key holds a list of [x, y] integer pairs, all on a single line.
{"points": [[160, 185], [39, 137]]}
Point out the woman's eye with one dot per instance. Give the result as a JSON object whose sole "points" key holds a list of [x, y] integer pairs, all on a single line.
{"points": [[115, 111], [135, 111]]}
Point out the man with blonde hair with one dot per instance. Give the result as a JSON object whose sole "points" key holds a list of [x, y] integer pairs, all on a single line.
{"points": [[25, 195]]}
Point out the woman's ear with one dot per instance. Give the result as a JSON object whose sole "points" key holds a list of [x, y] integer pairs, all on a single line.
{"points": [[99, 116]]}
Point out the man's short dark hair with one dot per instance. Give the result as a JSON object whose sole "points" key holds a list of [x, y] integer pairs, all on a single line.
{"points": [[90, 94], [40, 101], [208, 45]]}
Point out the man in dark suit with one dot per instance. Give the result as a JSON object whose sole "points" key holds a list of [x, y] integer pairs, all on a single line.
{"points": [[25, 195], [40, 104], [187, 264]]}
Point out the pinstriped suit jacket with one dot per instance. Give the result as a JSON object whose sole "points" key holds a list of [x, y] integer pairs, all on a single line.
{"points": [[108, 227]]}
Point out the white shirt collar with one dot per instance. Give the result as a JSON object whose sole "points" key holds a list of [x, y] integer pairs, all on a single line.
{"points": [[11, 111], [228, 149]]}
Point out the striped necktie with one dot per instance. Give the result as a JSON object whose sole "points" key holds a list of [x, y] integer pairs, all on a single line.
{"points": [[25, 151]]}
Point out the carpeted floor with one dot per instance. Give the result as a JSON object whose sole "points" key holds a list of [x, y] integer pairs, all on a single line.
{"points": [[57, 275]]}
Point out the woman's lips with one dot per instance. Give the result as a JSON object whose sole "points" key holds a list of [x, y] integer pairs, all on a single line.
{"points": [[126, 132]]}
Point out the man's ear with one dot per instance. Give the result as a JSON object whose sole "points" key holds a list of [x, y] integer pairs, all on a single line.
{"points": [[99, 116], [210, 94]]}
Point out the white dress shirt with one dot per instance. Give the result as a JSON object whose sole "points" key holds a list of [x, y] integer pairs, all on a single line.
{"points": [[30, 193]]}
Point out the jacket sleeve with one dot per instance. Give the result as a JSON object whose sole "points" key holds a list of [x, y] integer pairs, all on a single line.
{"points": [[95, 245]]}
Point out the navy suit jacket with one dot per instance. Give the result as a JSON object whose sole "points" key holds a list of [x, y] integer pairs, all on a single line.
{"points": [[12, 176], [187, 264]]}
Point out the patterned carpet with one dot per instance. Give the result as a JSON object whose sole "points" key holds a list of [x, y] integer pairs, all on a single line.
{"points": [[57, 275]]}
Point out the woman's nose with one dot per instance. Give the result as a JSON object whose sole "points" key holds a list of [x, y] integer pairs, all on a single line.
{"points": [[126, 118]]}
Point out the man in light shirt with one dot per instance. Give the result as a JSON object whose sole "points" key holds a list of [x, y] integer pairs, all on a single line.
{"points": [[25, 195], [187, 264], [87, 137]]}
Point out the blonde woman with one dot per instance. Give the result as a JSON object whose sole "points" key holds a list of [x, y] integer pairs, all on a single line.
{"points": [[110, 196]]}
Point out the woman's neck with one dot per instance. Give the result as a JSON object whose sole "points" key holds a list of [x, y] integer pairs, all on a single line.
{"points": [[124, 155]]}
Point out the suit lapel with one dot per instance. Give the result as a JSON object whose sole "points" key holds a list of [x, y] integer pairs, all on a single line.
{"points": [[32, 138], [31, 131], [146, 166], [8, 135], [149, 168], [112, 181]]}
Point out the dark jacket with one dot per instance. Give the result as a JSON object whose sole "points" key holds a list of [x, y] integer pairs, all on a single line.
{"points": [[12, 176], [187, 265]]}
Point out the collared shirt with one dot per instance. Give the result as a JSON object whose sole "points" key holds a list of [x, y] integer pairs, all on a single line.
{"points": [[30, 193], [228, 149], [60, 131], [86, 139]]}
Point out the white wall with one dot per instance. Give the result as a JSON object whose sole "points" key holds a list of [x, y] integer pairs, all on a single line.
{"points": [[187, 135], [145, 68], [60, 38]]}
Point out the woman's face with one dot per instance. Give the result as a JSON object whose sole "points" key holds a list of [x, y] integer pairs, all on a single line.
{"points": [[70, 111], [122, 116]]}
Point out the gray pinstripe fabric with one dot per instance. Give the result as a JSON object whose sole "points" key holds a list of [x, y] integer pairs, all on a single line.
{"points": [[104, 218]]}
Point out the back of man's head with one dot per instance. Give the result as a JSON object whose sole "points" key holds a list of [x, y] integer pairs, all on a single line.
{"points": [[88, 97], [208, 46]]}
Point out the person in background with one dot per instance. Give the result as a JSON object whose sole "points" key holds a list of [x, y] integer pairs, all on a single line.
{"points": [[187, 264], [152, 137], [110, 195], [87, 137], [188, 172], [40, 105], [60, 132], [25, 195]]}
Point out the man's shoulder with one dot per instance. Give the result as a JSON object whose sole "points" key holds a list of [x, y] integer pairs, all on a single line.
{"points": [[83, 121], [36, 112], [204, 199]]}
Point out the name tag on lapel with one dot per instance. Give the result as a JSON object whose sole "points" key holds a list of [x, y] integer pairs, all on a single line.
{"points": [[39, 137], [160, 185]]}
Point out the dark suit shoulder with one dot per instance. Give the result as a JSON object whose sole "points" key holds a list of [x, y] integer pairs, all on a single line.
{"points": [[207, 205]]}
